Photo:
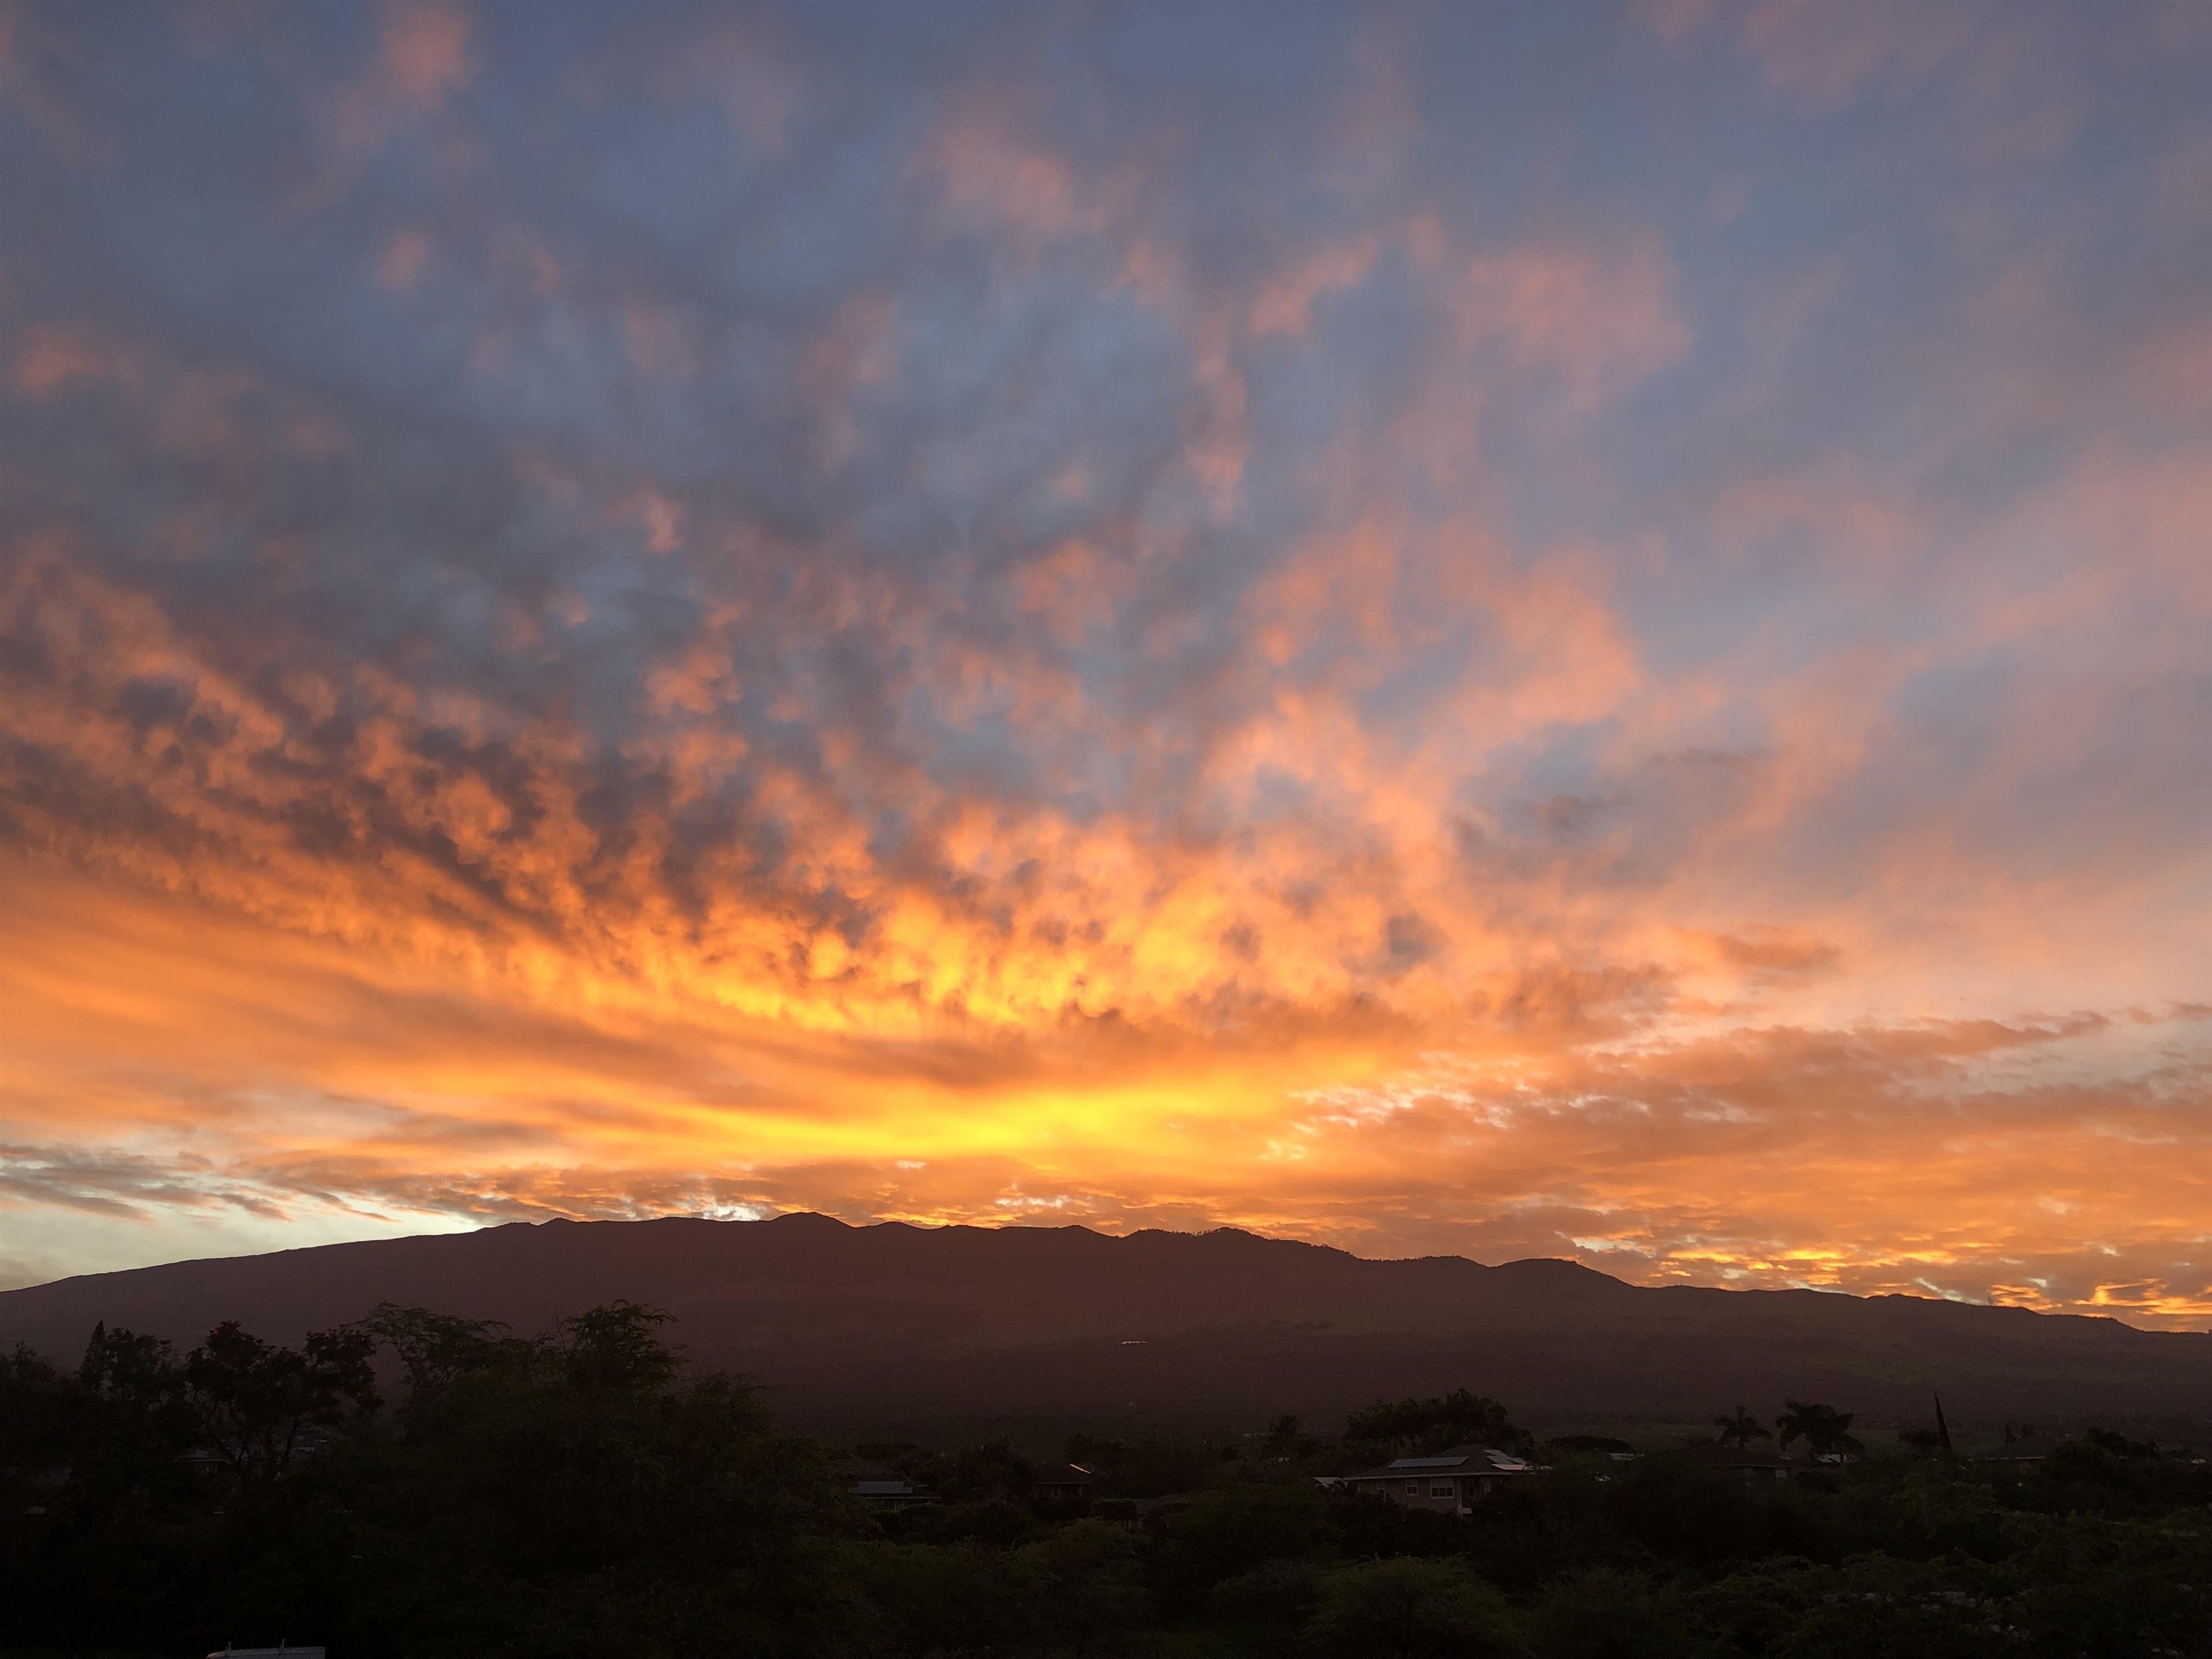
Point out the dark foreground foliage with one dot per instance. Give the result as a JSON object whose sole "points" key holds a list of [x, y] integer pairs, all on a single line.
{"points": [[583, 1494]]}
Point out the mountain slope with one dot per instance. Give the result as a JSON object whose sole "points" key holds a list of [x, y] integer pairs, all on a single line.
{"points": [[893, 1326]]}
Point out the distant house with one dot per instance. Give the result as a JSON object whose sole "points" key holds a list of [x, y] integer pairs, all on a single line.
{"points": [[280, 1651], [2017, 1451], [877, 1487], [1449, 1483], [1754, 1467], [1061, 1483]]}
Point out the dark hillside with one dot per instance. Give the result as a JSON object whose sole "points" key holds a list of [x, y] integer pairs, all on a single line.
{"points": [[898, 1324]]}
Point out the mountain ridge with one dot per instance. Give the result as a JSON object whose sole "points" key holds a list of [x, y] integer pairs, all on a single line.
{"points": [[888, 1323]]}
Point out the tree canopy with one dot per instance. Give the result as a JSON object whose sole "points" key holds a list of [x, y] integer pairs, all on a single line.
{"points": [[584, 1491]]}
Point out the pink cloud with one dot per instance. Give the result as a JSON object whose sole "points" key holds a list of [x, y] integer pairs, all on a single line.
{"points": [[53, 358], [402, 258]]}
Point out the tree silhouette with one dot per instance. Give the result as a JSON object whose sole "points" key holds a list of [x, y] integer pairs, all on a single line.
{"points": [[433, 1348], [1824, 1431], [1459, 1418], [255, 1400], [617, 1346], [1741, 1426], [121, 1365]]}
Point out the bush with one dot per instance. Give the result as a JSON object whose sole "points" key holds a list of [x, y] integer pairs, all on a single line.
{"points": [[1223, 1534], [1411, 1609], [1601, 1612]]}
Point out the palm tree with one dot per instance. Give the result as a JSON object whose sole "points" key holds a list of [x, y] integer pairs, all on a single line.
{"points": [[1741, 1426]]}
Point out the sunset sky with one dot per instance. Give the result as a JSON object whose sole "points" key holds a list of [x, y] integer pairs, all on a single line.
{"points": [[1503, 629]]}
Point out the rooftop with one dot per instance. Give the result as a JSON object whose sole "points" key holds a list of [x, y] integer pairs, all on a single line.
{"points": [[1715, 1454], [1486, 1460]]}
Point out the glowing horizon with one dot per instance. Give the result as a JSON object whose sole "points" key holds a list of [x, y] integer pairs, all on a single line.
{"points": [[1516, 631]]}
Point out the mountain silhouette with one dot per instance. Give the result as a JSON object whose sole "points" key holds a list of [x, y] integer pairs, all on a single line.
{"points": [[893, 1327]]}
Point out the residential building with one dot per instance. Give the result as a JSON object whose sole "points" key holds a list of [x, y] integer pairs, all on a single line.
{"points": [[1449, 1483], [1061, 1483], [1755, 1466], [877, 1487]]}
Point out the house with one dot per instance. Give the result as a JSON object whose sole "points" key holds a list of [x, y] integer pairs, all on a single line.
{"points": [[877, 1487], [2018, 1452], [1449, 1483], [1753, 1467], [1061, 1483]]}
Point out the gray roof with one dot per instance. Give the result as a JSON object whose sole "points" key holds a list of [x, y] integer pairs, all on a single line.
{"points": [[1720, 1455], [1061, 1474], [1462, 1458], [1459, 1460]]}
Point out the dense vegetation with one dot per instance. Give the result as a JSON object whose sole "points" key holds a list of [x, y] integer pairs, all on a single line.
{"points": [[582, 1494]]}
